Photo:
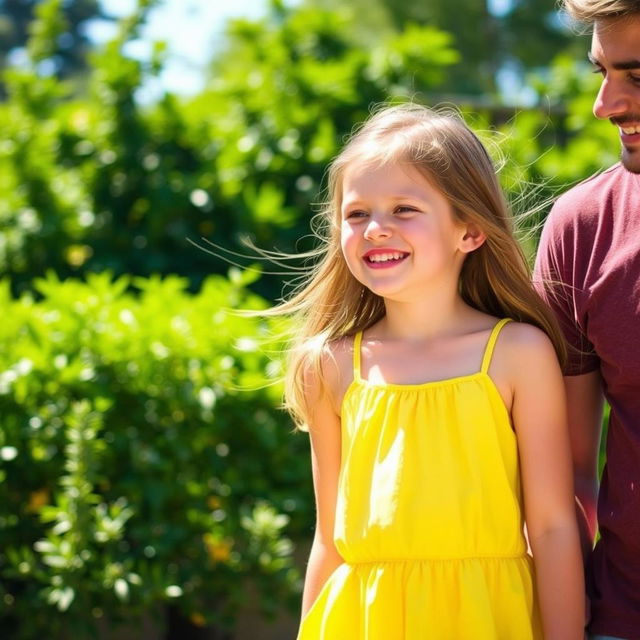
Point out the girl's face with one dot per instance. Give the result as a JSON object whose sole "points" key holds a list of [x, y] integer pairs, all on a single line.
{"points": [[398, 233]]}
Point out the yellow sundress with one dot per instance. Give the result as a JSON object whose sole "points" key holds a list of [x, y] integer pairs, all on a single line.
{"points": [[429, 516]]}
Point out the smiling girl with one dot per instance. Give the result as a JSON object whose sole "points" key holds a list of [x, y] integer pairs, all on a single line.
{"points": [[426, 372]]}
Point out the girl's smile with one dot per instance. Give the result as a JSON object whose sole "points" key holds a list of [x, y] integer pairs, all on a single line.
{"points": [[384, 258]]}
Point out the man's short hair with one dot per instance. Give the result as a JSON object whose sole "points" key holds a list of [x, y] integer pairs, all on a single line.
{"points": [[588, 11]]}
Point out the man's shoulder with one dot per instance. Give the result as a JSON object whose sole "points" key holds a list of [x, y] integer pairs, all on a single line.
{"points": [[585, 190], [583, 202]]}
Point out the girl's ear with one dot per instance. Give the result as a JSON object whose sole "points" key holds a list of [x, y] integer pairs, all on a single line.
{"points": [[473, 238]]}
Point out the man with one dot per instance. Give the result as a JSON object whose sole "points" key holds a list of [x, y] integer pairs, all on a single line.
{"points": [[589, 258]]}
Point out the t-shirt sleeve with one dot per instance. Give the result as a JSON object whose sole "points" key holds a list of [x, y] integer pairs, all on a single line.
{"points": [[557, 279]]}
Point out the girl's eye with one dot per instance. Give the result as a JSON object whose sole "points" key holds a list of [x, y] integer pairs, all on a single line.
{"points": [[404, 208], [356, 213]]}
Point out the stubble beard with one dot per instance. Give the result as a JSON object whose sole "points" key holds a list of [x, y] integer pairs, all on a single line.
{"points": [[630, 159], [629, 156]]}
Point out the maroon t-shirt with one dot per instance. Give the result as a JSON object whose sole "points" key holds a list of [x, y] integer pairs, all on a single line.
{"points": [[591, 244]]}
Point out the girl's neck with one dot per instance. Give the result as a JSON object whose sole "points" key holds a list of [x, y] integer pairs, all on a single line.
{"points": [[428, 319]]}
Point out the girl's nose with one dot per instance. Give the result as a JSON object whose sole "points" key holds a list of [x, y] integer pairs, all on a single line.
{"points": [[611, 101], [377, 228]]}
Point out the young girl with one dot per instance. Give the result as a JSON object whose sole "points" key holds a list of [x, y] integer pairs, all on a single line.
{"points": [[426, 372]]}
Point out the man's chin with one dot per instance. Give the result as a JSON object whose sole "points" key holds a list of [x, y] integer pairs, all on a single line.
{"points": [[630, 160]]}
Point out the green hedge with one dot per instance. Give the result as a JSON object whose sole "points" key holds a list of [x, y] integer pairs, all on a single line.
{"points": [[143, 460]]}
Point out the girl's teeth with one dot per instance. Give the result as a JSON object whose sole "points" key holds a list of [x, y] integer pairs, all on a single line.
{"points": [[385, 257], [630, 130]]}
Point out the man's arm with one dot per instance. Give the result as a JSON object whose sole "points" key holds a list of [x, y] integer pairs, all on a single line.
{"points": [[585, 402]]}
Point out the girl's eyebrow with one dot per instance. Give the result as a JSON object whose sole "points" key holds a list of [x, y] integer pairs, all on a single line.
{"points": [[395, 197], [351, 201]]}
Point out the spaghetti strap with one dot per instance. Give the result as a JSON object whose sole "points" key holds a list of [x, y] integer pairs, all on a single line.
{"points": [[491, 343], [357, 340]]}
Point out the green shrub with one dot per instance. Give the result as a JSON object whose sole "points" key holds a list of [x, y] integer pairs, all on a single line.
{"points": [[142, 459]]}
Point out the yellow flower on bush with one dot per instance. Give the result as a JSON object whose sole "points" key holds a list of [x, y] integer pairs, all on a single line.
{"points": [[37, 500], [198, 619], [77, 254], [213, 502], [219, 550]]}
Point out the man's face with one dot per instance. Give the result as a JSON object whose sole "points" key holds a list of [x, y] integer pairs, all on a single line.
{"points": [[615, 52]]}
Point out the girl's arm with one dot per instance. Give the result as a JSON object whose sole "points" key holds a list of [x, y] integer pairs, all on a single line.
{"points": [[324, 432], [540, 421]]}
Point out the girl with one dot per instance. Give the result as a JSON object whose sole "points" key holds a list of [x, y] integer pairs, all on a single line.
{"points": [[426, 372]]}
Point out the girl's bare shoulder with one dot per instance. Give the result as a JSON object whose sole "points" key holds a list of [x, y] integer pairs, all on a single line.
{"points": [[523, 347], [524, 336], [329, 369]]}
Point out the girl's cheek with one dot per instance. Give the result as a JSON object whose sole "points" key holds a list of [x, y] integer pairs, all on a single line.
{"points": [[346, 236], [349, 245]]}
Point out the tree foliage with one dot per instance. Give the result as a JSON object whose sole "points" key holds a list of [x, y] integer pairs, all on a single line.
{"points": [[523, 34], [99, 181], [67, 44]]}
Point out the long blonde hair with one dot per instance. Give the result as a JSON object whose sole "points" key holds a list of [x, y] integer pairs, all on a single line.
{"points": [[494, 279]]}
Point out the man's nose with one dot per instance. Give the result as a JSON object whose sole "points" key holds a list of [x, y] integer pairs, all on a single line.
{"points": [[611, 101]]}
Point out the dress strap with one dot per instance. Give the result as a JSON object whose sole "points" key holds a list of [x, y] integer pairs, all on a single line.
{"points": [[491, 343], [357, 341]]}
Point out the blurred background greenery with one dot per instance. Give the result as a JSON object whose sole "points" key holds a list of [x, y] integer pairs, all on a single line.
{"points": [[146, 470]]}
